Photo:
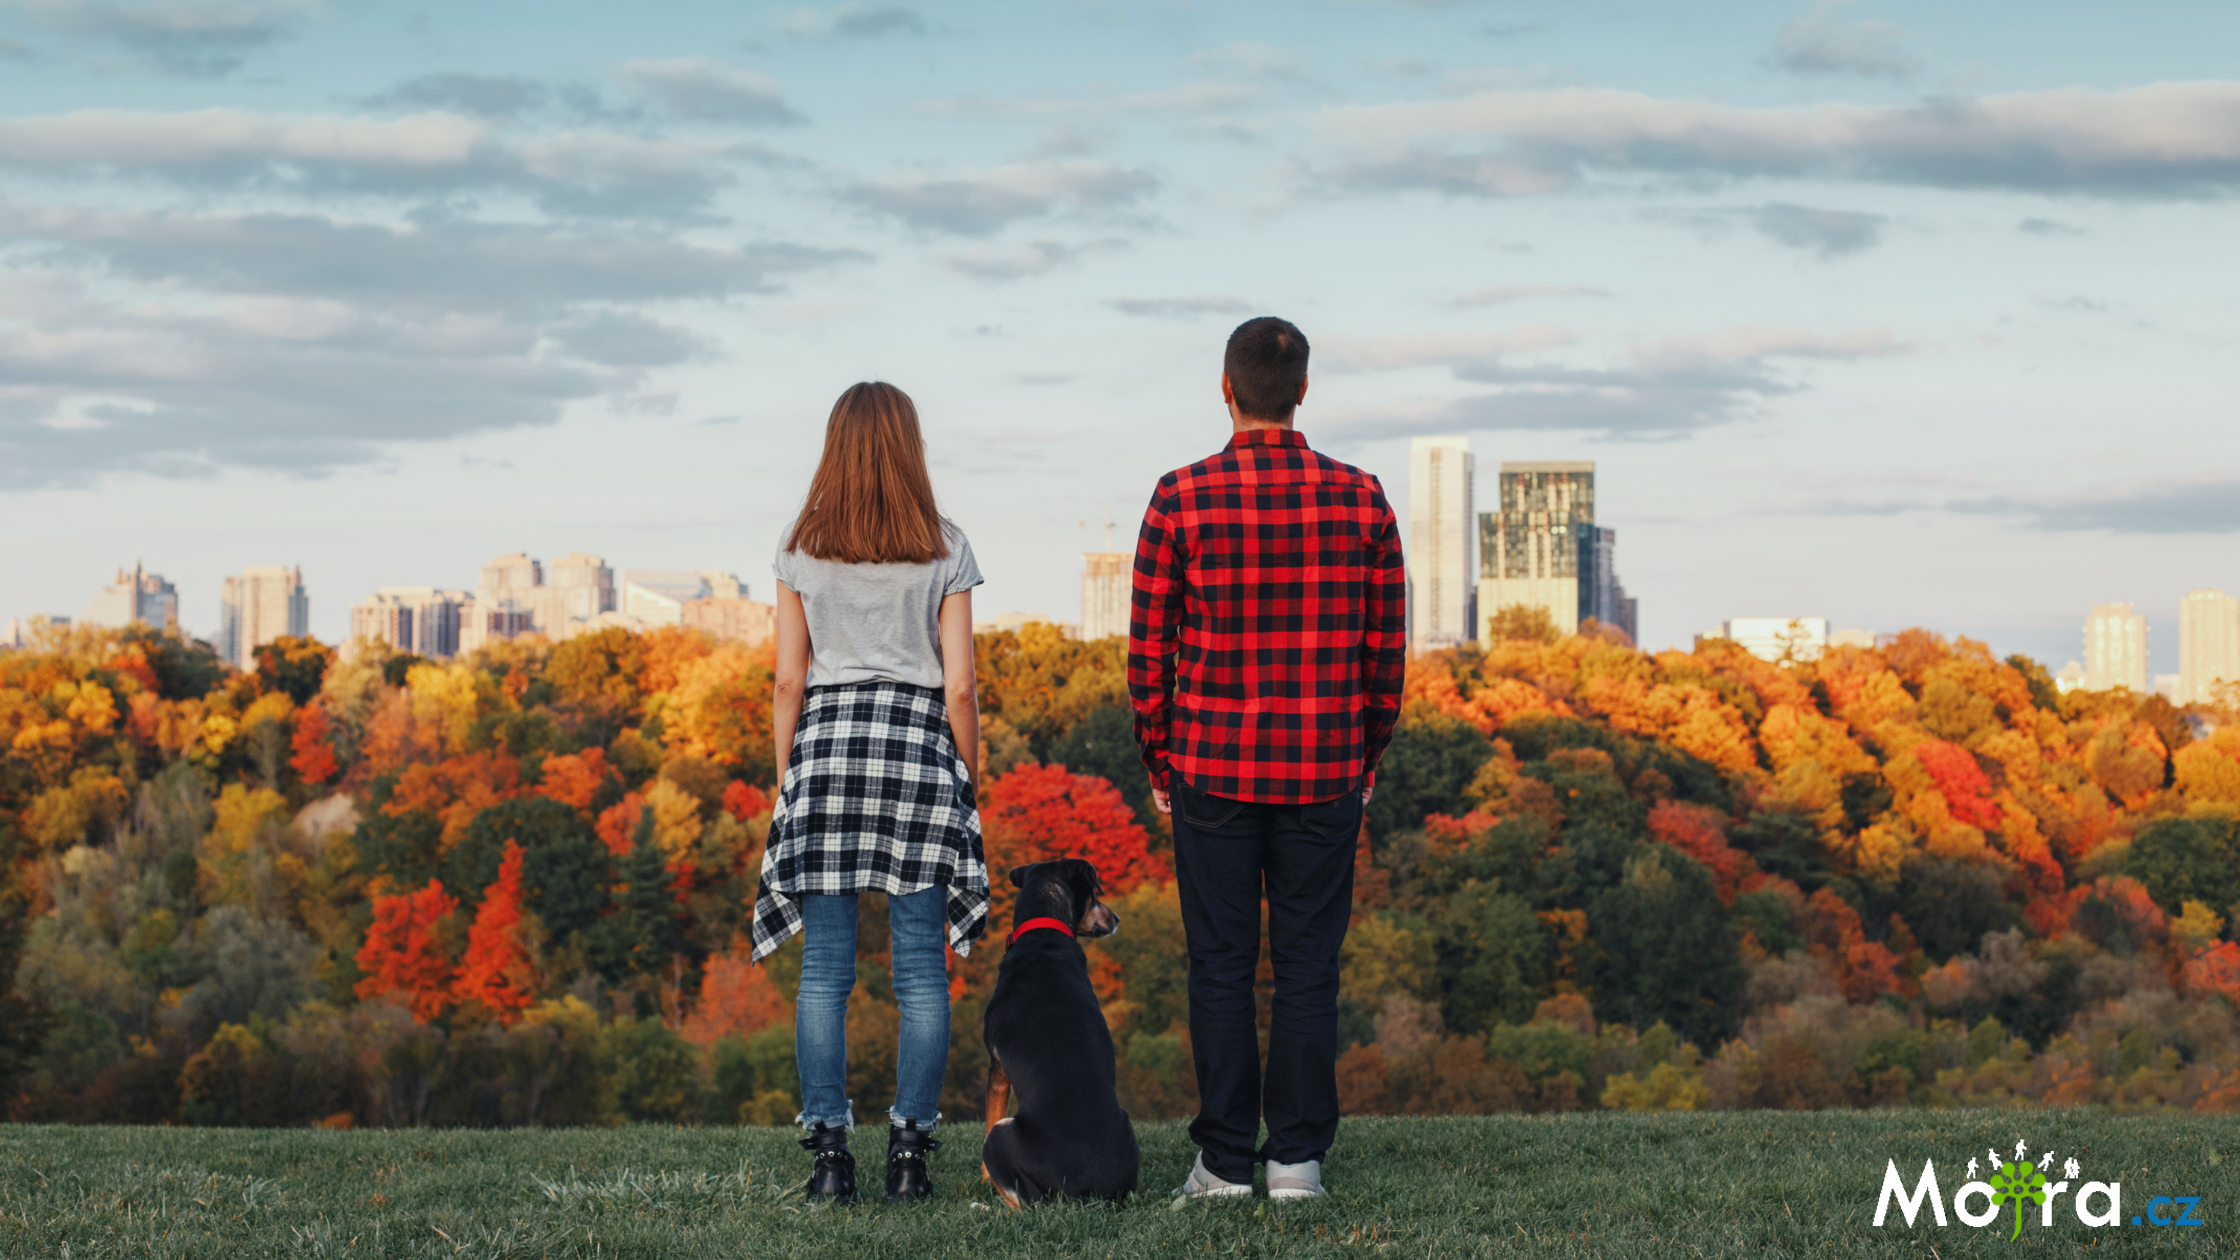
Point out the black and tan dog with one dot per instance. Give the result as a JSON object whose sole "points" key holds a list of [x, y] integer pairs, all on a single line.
{"points": [[1048, 1044]]}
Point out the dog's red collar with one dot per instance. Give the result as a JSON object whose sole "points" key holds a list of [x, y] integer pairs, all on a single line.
{"points": [[1031, 924]]}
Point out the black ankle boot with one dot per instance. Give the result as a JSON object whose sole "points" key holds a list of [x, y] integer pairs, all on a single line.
{"points": [[908, 1178], [833, 1180]]}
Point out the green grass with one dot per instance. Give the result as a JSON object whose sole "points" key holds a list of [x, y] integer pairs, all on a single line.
{"points": [[1753, 1183]]}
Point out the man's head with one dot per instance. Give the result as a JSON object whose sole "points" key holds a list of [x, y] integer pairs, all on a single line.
{"points": [[1264, 374]]}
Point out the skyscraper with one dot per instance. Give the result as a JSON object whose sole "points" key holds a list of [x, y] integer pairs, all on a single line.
{"points": [[2208, 644], [1601, 595], [2115, 649], [1442, 597], [1107, 585], [259, 606], [135, 596], [1529, 550]]}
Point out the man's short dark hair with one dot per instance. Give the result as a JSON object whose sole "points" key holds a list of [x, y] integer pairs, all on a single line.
{"points": [[1266, 362]]}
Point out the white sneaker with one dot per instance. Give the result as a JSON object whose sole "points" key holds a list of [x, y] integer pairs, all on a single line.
{"points": [[1204, 1185], [1295, 1181]]}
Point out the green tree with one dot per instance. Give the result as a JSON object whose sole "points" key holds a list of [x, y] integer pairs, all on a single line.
{"points": [[23, 1017], [2187, 859], [639, 937], [1951, 905], [1430, 762], [1104, 744], [295, 666], [1493, 957], [656, 1073], [1665, 949]]}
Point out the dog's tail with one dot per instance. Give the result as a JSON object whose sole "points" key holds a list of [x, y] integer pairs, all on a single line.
{"points": [[1005, 1157]]}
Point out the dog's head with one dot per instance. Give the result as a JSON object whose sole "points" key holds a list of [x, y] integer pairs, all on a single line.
{"points": [[1066, 889]]}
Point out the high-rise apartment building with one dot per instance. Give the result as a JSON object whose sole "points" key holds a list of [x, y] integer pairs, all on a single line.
{"points": [[584, 586], [733, 620], [510, 579], [1540, 549], [2115, 649], [417, 619], [136, 596], [657, 597], [1442, 583], [258, 606], [1107, 588], [2208, 644]]}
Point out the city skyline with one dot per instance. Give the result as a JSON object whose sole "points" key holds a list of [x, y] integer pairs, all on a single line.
{"points": [[1843, 294]]}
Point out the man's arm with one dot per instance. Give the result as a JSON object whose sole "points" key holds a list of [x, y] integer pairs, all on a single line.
{"points": [[1154, 620], [1384, 639]]}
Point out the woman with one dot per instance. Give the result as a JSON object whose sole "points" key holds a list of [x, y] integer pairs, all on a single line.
{"points": [[875, 696]]}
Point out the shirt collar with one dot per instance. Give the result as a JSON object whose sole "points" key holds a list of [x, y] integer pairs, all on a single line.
{"points": [[1266, 437]]}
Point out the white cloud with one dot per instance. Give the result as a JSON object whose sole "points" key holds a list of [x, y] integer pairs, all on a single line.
{"points": [[850, 21], [1204, 96], [2166, 139], [1663, 389], [1018, 262], [980, 203], [1821, 41], [191, 37], [709, 91], [584, 171], [1408, 350]]}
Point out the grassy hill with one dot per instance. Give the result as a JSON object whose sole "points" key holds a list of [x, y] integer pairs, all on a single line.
{"points": [[1751, 1183]]}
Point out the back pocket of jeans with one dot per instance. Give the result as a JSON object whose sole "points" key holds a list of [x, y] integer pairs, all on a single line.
{"points": [[1334, 820], [1199, 809]]}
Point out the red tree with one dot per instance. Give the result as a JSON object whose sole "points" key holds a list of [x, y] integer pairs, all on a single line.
{"points": [[743, 800], [402, 954], [497, 970], [573, 778], [1698, 831], [618, 826], [1037, 813], [1966, 791], [313, 747]]}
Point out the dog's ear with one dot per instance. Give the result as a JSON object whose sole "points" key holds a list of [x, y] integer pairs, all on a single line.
{"points": [[1082, 876], [1019, 875]]}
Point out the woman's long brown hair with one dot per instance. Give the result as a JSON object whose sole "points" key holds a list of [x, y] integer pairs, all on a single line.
{"points": [[871, 501]]}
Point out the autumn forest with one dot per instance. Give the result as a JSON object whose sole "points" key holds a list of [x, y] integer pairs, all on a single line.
{"points": [[365, 889]]}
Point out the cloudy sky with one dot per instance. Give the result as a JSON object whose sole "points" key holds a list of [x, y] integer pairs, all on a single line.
{"points": [[1893, 313]]}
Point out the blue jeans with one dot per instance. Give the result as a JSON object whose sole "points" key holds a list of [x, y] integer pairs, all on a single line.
{"points": [[917, 925]]}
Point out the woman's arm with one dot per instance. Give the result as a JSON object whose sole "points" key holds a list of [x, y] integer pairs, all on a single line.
{"points": [[961, 681], [793, 674]]}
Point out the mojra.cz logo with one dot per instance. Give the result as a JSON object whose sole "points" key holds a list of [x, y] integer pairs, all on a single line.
{"points": [[2018, 1184]]}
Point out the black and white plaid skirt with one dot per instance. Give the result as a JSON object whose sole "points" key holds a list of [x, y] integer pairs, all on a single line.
{"points": [[875, 798]]}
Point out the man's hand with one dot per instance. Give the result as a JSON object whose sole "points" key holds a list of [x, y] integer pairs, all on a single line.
{"points": [[1366, 790], [1161, 802]]}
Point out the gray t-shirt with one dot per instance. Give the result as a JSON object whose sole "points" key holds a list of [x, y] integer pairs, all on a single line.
{"points": [[876, 622]]}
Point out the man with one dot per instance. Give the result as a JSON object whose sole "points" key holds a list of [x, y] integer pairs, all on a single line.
{"points": [[1265, 656]]}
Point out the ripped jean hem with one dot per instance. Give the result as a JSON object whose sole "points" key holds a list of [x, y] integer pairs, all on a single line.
{"points": [[845, 1120], [896, 1120]]}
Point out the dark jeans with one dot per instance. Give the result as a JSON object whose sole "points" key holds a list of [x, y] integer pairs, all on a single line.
{"points": [[1225, 853]]}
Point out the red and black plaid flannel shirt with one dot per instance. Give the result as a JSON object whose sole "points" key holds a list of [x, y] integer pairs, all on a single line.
{"points": [[1268, 637]]}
